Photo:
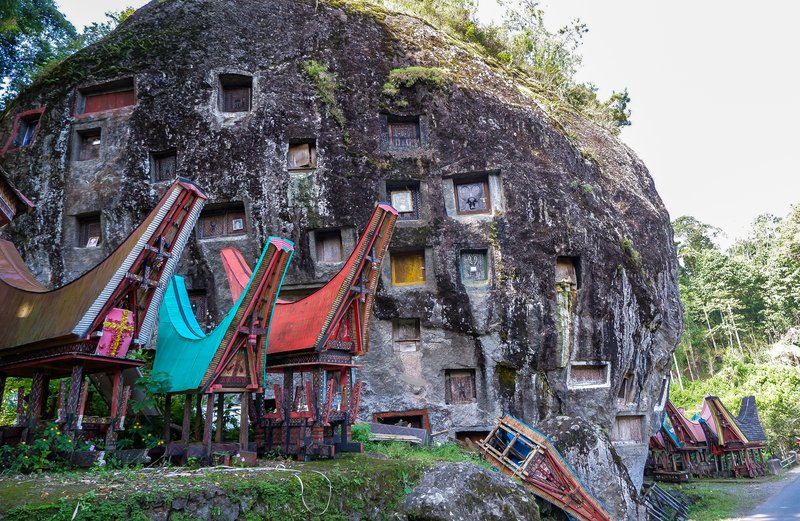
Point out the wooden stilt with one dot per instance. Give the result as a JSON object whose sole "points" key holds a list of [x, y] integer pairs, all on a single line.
{"points": [[187, 420], [208, 424], [218, 437], [116, 403], [167, 417], [244, 423], [74, 396], [34, 406], [198, 416], [20, 406]]}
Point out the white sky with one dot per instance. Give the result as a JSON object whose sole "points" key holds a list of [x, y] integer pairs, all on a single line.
{"points": [[712, 85]]}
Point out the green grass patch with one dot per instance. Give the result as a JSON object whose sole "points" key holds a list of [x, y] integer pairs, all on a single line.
{"points": [[710, 501]]}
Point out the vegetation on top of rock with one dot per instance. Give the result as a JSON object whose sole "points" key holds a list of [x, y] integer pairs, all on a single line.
{"points": [[523, 43], [410, 76]]}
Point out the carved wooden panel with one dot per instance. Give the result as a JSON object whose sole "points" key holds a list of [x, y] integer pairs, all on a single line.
{"points": [[329, 246], [628, 429], [406, 334], [404, 134], [473, 197], [406, 201], [588, 374], [474, 265], [408, 268], [236, 99], [460, 386], [164, 166], [90, 232], [108, 101]]}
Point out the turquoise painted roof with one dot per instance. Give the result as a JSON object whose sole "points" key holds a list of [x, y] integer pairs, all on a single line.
{"points": [[183, 351]]}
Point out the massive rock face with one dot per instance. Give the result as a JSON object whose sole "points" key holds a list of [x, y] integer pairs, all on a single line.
{"points": [[533, 271]]}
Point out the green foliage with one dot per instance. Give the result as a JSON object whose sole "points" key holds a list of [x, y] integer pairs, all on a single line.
{"points": [[360, 432], [632, 253], [44, 453], [32, 34], [523, 43], [424, 454], [327, 85], [410, 76]]}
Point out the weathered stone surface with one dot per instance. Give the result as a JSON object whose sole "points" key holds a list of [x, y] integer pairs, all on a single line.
{"points": [[590, 454], [558, 186], [457, 491]]}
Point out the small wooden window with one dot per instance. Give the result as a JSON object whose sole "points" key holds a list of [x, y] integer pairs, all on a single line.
{"points": [[404, 132], [26, 131], [474, 266], [568, 272], [406, 334], [591, 374], [473, 196], [235, 92], [329, 246], [628, 429], [405, 199], [89, 143], [460, 386], [626, 388], [408, 268], [220, 222], [90, 232], [302, 156], [198, 299], [164, 165], [109, 96]]}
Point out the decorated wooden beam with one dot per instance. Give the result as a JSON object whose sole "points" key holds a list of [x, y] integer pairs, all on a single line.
{"points": [[521, 451]]}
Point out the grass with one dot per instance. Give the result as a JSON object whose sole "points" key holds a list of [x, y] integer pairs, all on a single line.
{"points": [[710, 500]]}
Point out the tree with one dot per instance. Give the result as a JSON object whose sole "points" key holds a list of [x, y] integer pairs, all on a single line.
{"points": [[32, 33]]}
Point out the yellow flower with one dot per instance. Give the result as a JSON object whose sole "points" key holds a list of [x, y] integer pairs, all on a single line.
{"points": [[148, 434], [23, 443]]}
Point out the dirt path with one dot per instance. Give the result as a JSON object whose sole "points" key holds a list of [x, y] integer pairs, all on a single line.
{"points": [[757, 492]]}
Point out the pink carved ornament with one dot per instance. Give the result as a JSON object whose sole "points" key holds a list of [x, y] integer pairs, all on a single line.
{"points": [[117, 333]]}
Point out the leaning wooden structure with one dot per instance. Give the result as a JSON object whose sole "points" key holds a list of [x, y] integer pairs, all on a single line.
{"points": [[228, 360], [91, 326], [313, 346], [521, 451], [12, 201]]}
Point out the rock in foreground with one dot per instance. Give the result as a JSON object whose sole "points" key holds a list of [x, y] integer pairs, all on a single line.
{"points": [[456, 491]]}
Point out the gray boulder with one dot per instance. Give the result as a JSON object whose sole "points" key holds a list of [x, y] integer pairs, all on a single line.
{"points": [[591, 455], [458, 491]]}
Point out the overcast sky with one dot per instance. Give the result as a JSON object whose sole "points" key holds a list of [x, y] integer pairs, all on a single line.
{"points": [[713, 88]]}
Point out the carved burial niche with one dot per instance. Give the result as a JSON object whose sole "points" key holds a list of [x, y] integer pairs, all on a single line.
{"points": [[628, 430], [403, 132], [106, 96], [626, 388], [406, 334], [302, 155], [235, 92], [25, 129], [474, 266], [198, 299], [472, 195], [90, 231], [89, 142], [459, 386], [408, 267], [404, 197], [583, 374], [222, 220], [416, 418], [163, 165], [329, 245]]}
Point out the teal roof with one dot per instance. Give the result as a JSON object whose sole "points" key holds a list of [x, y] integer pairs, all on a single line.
{"points": [[183, 350]]}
